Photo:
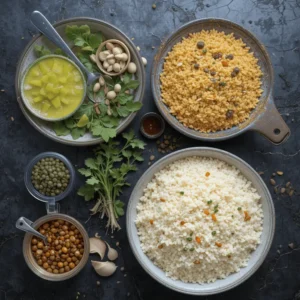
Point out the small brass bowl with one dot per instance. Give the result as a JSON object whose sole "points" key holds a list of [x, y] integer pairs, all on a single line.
{"points": [[99, 62], [41, 272]]}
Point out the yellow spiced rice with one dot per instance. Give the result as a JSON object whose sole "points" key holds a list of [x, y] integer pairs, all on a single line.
{"points": [[203, 87]]}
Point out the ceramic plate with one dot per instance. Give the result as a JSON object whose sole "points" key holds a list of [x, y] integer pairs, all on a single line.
{"points": [[28, 56], [257, 256]]}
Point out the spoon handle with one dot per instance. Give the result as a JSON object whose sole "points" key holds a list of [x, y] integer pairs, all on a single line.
{"points": [[25, 225], [45, 27]]}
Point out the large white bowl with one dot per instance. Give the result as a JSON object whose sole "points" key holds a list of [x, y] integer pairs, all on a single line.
{"points": [[257, 256]]}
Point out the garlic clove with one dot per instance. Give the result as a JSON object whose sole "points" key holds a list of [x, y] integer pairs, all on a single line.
{"points": [[119, 56], [111, 61], [101, 81], [117, 67], [110, 56], [117, 50], [124, 57], [144, 61], [105, 268], [103, 55], [105, 65], [112, 253], [110, 68], [97, 246], [131, 68], [93, 58], [109, 46]]}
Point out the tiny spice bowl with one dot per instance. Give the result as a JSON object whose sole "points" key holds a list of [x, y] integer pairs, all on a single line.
{"points": [[29, 185], [99, 62], [152, 125]]}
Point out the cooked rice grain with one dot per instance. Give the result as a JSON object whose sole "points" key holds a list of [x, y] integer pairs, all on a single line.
{"points": [[176, 226], [203, 101]]}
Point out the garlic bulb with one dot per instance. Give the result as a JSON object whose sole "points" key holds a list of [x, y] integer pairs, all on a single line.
{"points": [[105, 268], [97, 246], [112, 253]]}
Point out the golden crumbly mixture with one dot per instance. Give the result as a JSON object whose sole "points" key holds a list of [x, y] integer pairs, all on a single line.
{"points": [[210, 81]]}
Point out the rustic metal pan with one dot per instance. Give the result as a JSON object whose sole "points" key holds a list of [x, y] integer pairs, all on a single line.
{"points": [[264, 119]]}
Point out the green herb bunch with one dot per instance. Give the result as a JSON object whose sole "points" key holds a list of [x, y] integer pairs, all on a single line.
{"points": [[106, 175]]}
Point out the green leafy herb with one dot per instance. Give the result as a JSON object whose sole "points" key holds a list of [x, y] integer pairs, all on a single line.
{"points": [[189, 239], [192, 249], [209, 202], [106, 175], [213, 233], [239, 208], [191, 233], [204, 51], [216, 208], [60, 128], [41, 51], [181, 193]]}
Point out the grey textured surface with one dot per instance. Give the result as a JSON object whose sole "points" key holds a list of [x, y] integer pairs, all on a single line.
{"points": [[274, 22]]}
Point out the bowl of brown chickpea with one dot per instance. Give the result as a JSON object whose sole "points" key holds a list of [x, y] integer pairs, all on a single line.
{"points": [[66, 252]]}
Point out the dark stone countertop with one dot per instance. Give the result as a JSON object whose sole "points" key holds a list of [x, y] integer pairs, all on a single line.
{"points": [[275, 22]]}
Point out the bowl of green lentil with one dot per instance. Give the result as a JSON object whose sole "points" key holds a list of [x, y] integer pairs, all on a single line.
{"points": [[49, 175]]}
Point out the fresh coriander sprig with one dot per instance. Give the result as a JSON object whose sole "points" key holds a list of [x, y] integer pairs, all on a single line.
{"points": [[106, 175]]}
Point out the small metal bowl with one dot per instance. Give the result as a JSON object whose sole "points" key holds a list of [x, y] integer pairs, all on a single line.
{"points": [[26, 101], [38, 270], [99, 63], [36, 194], [158, 117]]}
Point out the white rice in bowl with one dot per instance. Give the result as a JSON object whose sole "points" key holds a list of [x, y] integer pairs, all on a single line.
{"points": [[199, 220]]}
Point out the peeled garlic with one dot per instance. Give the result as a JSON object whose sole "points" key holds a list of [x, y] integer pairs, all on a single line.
{"points": [[110, 56], [112, 254], [97, 246], [110, 68], [101, 81], [103, 55], [131, 68], [124, 57], [117, 50], [122, 64], [105, 65], [111, 95], [116, 67], [96, 87], [117, 88], [93, 58], [144, 61], [109, 46], [105, 268], [111, 61]]}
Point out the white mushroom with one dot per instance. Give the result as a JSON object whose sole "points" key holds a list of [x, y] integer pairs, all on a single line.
{"points": [[117, 50], [144, 61], [105, 268], [101, 81], [111, 95], [117, 88], [131, 68], [116, 67], [110, 68], [111, 61], [109, 46], [96, 87], [112, 254], [97, 246]]}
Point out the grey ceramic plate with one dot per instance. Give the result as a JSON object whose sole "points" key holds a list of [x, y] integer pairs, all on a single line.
{"points": [[28, 56], [257, 256]]}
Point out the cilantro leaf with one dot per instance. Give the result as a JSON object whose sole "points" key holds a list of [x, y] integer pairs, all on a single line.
{"points": [[127, 153], [123, 111], [91, 163], [70, 123], [92, 181], [77, 132], [85, 172], [41, 50], [131, 85], [138, 155], [86, 191], [128, 135], [73, 31], [127, 77], [133, 106], [135, 143], [60, 129], [123, 98], [104, 133]]}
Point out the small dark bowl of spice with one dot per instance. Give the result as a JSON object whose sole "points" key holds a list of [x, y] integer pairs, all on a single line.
{"points": [[49, 175], [152, 125]]}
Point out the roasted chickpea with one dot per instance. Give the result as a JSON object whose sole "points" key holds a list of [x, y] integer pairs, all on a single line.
{"points": [[77, 253], [60, 264], [74, 258], [44, 259], [39, 252], [49, 270], [72, 265], [34, 241], [61, 270], [34, 248], [45, 265], [46, 226], [67, 268], [53, 230], [39, 262], [69, 259], [64, 249], [55, 271], [40, 245], [42, 231]]}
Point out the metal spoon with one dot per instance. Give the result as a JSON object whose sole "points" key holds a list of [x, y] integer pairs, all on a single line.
{"points": [[45, 27], [25, 225]]}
